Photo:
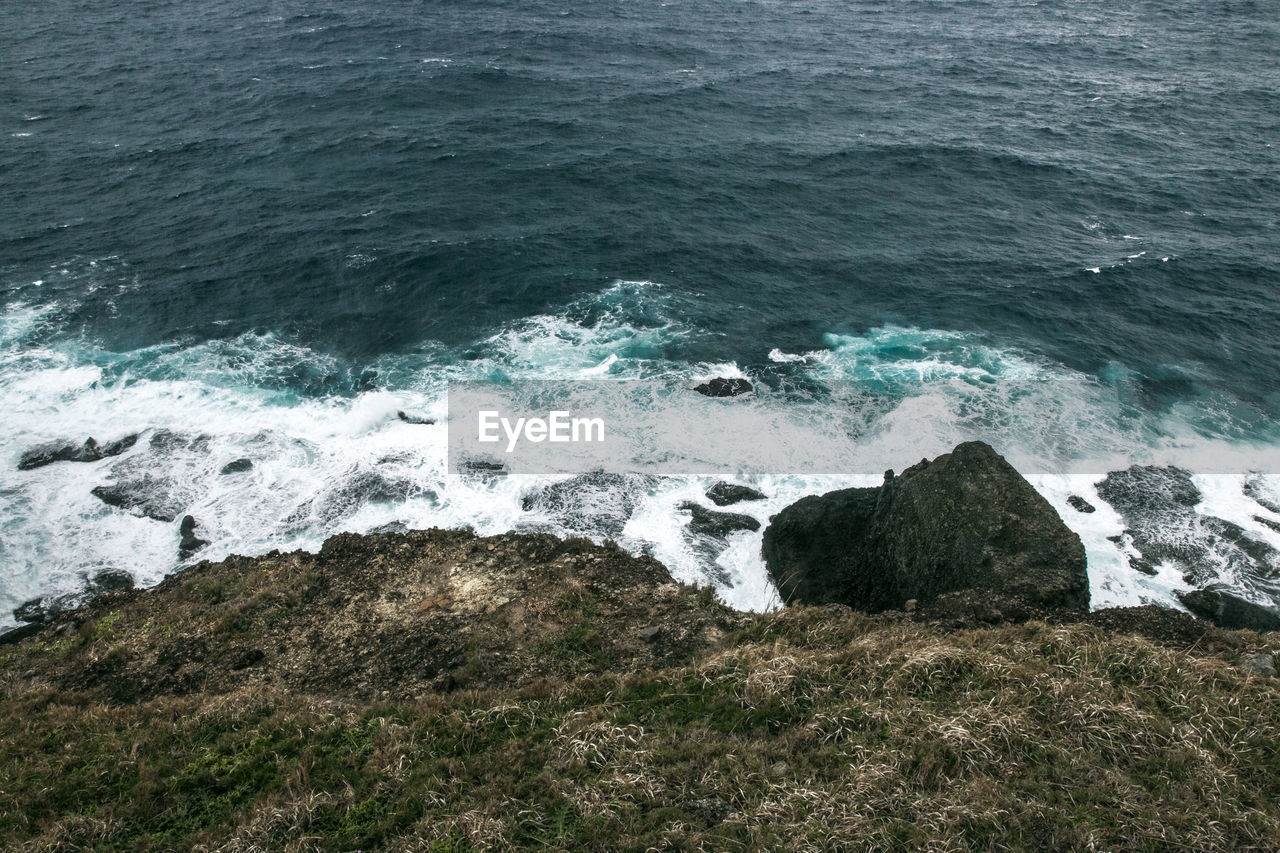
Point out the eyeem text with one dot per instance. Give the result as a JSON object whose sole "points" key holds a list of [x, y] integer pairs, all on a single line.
{"points": [[558, 426]]}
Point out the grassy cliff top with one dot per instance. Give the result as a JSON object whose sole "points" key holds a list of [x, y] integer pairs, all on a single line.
{"points": [[301, 723]]}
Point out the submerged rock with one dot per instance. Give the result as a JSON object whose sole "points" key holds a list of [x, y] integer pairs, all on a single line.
{"points": [[119, 446], [163, 480], [152, 496], [966, 520], [1254, 490], [708, 522], [724, 494], [481, 467], [391, 527], [166, 442], [49, 454], [65, 451], [721, 387], [1158, 505], [1226, 609], [237, 466], [596, 503], [1079, 504], [355, 489], [415, 419]]}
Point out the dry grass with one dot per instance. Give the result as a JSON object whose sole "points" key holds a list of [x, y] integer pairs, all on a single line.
{"points": [[808, 732]]}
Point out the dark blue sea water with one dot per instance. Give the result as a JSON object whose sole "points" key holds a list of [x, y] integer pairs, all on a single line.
{"points": [[276, 224]]}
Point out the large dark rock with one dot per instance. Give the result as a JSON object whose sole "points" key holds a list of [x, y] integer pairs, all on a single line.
{"points": [[966, 520], [724, 494], [708, 522], [1228, 610], [721, 387]]}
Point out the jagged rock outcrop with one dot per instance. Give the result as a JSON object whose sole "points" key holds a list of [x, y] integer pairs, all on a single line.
{"points": [[966, 520]]}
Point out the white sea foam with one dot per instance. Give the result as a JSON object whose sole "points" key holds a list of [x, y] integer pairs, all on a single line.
{"points": [[322, 464], [779, 357]]}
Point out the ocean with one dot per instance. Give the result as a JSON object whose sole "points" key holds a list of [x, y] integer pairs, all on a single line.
{"points": [[260, 231]]}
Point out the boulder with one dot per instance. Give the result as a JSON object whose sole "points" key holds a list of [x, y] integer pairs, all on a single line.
{"points": [[708, 522], [1079, 504], [1260, 664], [1228, 610], [415, 419], [190, 543], [724, 494], [965, 521], [721, 387]]}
